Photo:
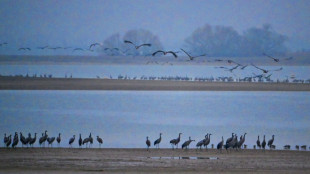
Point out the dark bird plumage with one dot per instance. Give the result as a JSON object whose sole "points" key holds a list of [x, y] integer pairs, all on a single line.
{"points": [[274, 59], [264, 143], [71, 140], [270, 142], [137, 46], [192, 57], [165, 53], [258, 142], [148, 142], [156, 142]]}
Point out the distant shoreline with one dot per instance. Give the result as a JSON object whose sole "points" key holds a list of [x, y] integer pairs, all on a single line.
{"points": [[22, 83], [300, 60]]}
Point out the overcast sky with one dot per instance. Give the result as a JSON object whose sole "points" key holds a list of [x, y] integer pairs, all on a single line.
{"points": [[33, 23]]}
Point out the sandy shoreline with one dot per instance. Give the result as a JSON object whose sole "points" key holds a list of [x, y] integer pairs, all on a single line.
{"points": [[19, 83], [65, 160]]}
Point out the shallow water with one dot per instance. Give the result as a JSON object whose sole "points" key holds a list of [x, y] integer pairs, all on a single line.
{"points": [[125, 118]]}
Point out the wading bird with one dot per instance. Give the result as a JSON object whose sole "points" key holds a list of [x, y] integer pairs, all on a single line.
{"points": [[93, 45], [258, 142], [71, 140], [99, 141], [148, 143], [25, 49], [229, 139], [264, 143], [274, 59], [220, 144], [270, 142], [80, 141], [137, 46], [5, 139], [78, 49], [33, 140], [9, 141], [156, 142], [58, 139], [266, 71], [42, 48], [207, 142], [201, 142], [43, 138], [176, 141], [187, 143], [192, 57], [50, 141], [166, 52], [15, 140]]}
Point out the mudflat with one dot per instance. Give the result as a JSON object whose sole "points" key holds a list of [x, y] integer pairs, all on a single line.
{"points": [[22, 83], [94, 160]]}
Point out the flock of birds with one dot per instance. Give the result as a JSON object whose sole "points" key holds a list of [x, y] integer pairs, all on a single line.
{"points": [[29, 141], [191, 57], [231, 143]]}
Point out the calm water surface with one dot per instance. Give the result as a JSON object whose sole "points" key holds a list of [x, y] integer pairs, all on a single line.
{"points": [[125, 118]]}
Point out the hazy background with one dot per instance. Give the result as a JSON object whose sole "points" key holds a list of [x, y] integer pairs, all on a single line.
{"points": [[78, 23]]}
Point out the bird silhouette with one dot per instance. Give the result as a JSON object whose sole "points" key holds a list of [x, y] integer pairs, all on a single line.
{"points": [[78, 49], [274, 59], [58, 139], [258, 142], [264, 143], [42, 48], [93, 45], [187, 143], [80, 141], [137, 46], [266, 71], [192, 57], [156, 142], [220, 144], [71, 140], [270, 142], [25, 49], [175, 142], [33, 140], [99, 141], [148, 143], [166, 52]]}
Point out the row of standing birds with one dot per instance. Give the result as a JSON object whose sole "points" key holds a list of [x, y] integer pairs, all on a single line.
{"points": [[29, 141], [231, 143]]}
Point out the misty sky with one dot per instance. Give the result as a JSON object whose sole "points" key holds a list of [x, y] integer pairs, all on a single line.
{"points": [[78, 23]]}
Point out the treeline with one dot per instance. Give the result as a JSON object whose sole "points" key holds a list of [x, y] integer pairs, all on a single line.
{"points": [[211, 40]]}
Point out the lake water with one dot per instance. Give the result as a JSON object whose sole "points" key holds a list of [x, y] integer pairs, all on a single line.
{"points": [[125, 118], [92, 71]]}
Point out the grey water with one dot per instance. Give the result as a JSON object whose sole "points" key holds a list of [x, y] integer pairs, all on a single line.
{"points": [[92, 71], [124, 118]]}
